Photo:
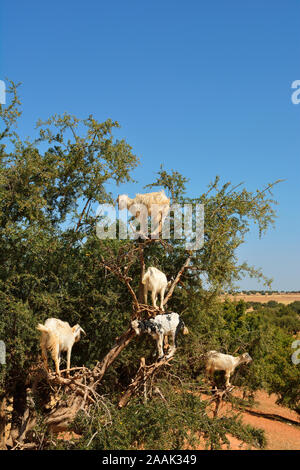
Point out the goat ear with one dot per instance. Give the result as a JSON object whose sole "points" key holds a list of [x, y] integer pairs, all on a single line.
{"points": [[77, 328]]}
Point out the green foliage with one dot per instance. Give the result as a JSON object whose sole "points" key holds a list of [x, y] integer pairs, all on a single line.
{"points": [[174, 423], [49, 189], [230, 212], [174, 183], [46, 199]]}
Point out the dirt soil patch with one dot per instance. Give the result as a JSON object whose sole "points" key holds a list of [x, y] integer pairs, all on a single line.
{"points": [[280, 435], [280, 298]]}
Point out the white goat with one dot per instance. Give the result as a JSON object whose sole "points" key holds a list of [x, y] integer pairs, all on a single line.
{"points": [[156, 204], [155, 281], [218, 361], [58, 336], [162, 325]]}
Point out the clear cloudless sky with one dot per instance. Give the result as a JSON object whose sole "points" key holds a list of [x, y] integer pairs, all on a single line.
{"points": [[203, 86]]}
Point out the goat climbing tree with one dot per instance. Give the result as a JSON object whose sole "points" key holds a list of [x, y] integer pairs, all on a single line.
{"points": [[52, 265], [83, 387]]}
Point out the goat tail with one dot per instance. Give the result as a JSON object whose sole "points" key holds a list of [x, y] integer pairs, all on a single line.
{"points": [[185, 330]]}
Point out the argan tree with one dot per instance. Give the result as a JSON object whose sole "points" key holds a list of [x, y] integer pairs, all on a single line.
{"points": [[54, 265]]}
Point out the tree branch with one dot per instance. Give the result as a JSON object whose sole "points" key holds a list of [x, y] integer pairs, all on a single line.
{"points": [[176, 280]]}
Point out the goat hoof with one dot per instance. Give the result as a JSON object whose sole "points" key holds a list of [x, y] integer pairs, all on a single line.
{"points": [[160, 358]]}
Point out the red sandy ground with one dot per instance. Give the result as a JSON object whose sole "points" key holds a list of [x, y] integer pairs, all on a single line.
{"points": [[279, 435]]}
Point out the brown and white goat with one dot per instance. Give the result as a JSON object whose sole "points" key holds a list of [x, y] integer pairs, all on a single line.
{"points": [[58, 336]]}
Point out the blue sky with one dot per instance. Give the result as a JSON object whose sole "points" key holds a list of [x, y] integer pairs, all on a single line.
{"points": [[201, 86]]}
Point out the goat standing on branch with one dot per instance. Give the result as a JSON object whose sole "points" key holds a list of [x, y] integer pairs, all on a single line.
{"points": [[58, 336], [156, 204], [162, 325], [218, 361], [155, 281]]}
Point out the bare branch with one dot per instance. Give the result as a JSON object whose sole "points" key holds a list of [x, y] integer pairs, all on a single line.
{"points": [[143, 374], [176, 280]]}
